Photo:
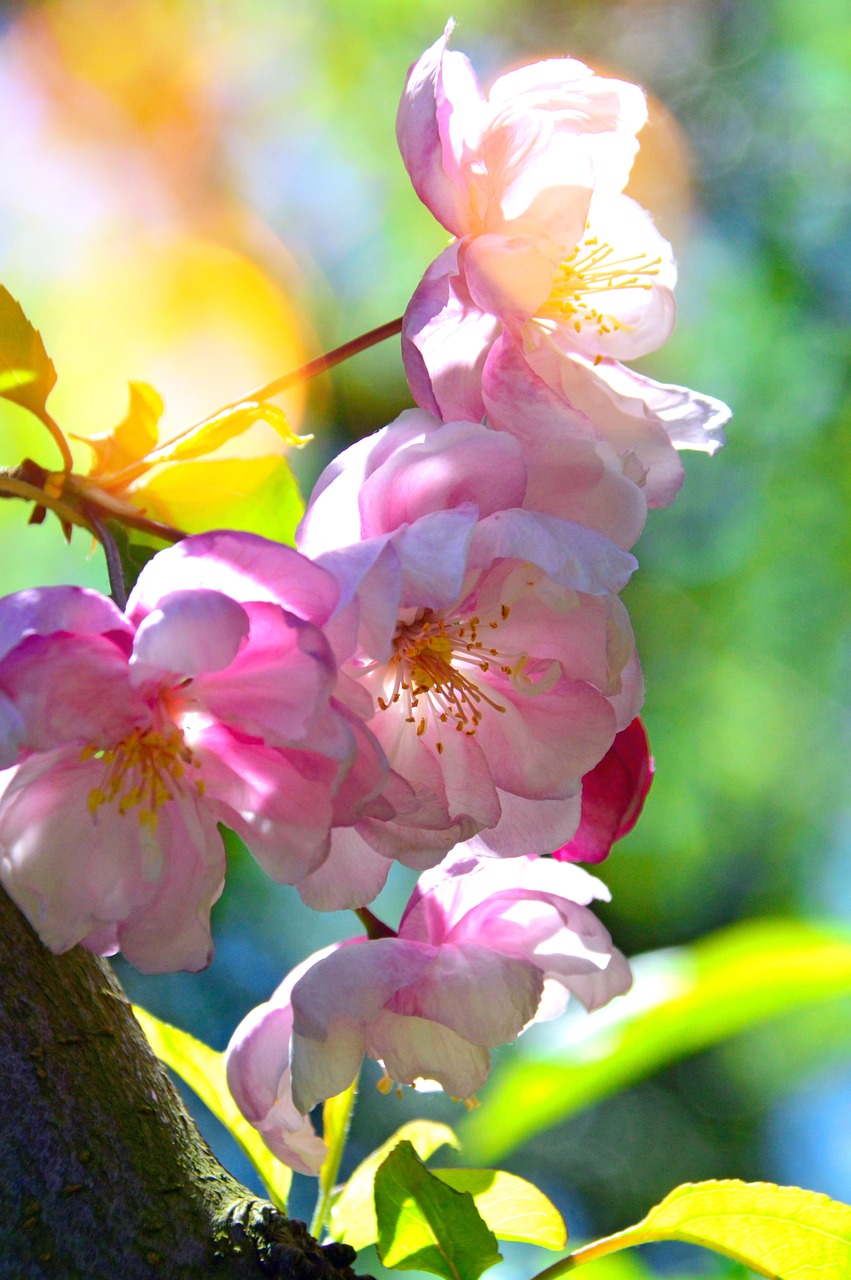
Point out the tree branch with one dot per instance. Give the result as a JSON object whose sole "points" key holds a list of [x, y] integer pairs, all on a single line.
{"points": [[102, 1172]]}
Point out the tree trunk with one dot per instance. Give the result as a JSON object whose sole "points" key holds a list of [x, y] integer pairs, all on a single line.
{"points": [[102, 1172]]}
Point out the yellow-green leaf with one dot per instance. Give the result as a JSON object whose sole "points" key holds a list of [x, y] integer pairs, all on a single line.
{"points": [[353, 1213], [513, 1208], [255, 495], [424, 1225], [133, 438], [27, 375], [227, 425], [780, 1232], [203, 1069]]}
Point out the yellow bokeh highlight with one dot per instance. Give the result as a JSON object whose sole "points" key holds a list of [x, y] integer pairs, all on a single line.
{"points": [[196, 320]]}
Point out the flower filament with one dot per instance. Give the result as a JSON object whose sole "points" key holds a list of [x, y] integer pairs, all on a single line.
{"points": [[143, 772], [590, 270], [428, 660]]}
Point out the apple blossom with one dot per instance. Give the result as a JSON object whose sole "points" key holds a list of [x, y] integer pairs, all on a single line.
{"points": [[208, 702], [498, 659], [548, 255], [258, 1076], [479, 944]]}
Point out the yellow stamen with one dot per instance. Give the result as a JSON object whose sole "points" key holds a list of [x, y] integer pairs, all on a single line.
{"points": [[589, 270], [144, 771]]}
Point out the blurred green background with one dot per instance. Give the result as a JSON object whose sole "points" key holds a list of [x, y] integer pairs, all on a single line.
{"points": [[204, 194]]}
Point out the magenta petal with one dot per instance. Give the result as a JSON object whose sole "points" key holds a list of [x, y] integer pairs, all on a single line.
{"points": [[241, 565], [71, 688], [47, 610], [613, 795], [278, 681]]}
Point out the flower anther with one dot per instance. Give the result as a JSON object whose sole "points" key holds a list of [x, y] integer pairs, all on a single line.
{"points": [[143, 771], [589, 273], [426, 675]]}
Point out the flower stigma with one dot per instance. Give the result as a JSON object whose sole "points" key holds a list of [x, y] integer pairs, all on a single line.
{"points": [[143, 772]]}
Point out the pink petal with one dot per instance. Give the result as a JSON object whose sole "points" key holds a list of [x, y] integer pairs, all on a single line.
{"points": [[189, 632], [47, 610], [415, 1049], [445, 339], [71, 688], [353, 984], [241, 565], [277, 682], [572, 556], [478, 993], [259, 1079], [441, 103]]}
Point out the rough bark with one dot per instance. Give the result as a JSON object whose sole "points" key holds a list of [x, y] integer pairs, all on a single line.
{"points": [[102, 1172]]}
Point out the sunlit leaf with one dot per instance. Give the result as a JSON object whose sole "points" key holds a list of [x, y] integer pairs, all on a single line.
{"points": [[27, 375], [423, 1225], [513, 1208], [256, 495], [780, 1232], [682, 1001], [134, 436], [203, 1069], [353, 1214], [225, 426]]}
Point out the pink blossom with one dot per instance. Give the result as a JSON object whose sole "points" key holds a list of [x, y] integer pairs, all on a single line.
{"points": [[479, 944], [613, 795], [548, 254], [498, 660], [208, 702], [258, 1074]]}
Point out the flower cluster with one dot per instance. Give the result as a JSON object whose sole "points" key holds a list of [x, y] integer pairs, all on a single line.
{"points": [[442, 674]]}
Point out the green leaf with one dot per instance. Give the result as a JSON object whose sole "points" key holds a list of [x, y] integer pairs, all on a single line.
{"points": [[27, 375], [781, 1232], [513, 1208], [203, 1069], [254, 495], [683, 1000], [423, 1225], [134, 555], [353, 1213]]}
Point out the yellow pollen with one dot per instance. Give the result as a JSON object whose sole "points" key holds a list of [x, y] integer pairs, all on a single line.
{"points": [[142, 772], [385, 1084], [437, 664], [592, 269]]}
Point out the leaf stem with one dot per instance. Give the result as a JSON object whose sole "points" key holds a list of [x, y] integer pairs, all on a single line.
{"points": [[59, 437], [590, 1252], [113, 559], [12, 487], [331, 358], [310, 370], [336, 1117]]}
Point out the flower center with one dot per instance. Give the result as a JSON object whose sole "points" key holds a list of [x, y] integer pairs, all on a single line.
{"points": [[592, 269], [143, 771], [437, 662]]}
